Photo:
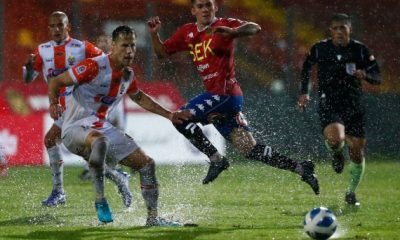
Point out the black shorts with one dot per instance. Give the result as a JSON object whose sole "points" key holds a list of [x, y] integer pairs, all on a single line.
{"points": [[350, 116]]}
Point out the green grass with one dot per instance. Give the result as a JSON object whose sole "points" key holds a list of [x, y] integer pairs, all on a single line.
{"points": [[250, 201]]}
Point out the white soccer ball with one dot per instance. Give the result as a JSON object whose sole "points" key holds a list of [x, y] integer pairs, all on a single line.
{"points": [[320, 223]]}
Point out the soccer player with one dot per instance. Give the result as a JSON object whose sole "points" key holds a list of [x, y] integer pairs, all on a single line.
{"points": [[343, 64], [52, 58], [117, 116], [210, 42], [101, 83]]}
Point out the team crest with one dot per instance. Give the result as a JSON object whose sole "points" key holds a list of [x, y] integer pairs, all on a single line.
{"points": [[81, 69], [71, 60]]}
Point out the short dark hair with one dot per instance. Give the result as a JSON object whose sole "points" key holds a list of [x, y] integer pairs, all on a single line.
{"points": [[341, 17], [126, 30]]}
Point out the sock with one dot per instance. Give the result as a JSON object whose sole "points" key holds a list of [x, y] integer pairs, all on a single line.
{"points": [[337, 150], [268, 155], [356, 174], [149, 188], [196, 136], [57, 168], [96, 165]]}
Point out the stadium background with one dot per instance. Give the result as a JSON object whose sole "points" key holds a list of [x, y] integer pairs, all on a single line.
{"points": [[267, 65]]}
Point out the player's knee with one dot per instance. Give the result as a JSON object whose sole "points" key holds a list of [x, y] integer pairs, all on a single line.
{"points": [[99, 148], [50, 140], [261, 152]]}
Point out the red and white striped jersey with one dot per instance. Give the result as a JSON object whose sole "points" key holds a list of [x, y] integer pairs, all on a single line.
{"points": [[53, 59], [98, 89]]}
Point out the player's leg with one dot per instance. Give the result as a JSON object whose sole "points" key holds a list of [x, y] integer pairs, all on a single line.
{"points": [[357, 166], [142, 163], [334, 134], [202, 108], [51, 141], [93, 146], [85, 174], [244, 141], [121, 179]]}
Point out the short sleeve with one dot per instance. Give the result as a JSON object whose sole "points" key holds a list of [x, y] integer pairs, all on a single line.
{"points": [[176, 43], [91, 50], [233, 22], [37, 66], [84, 72]]}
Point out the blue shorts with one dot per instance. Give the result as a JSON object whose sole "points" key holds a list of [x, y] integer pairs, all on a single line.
{"points": [[224, 112]]}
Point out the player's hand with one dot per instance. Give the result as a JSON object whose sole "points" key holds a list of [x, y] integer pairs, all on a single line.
{"points": [[224, 31], [154, 24], [180, 116], [303, 101], [56, 110], [360, 74], [30, 60]]}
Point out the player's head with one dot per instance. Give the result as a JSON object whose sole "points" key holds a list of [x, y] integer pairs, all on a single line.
{"points": [[104, 42], [340, 28], [59, 26], [123, 45], [204, 11]]}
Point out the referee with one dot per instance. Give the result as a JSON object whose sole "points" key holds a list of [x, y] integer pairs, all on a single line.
{"points": [[343, 64]]}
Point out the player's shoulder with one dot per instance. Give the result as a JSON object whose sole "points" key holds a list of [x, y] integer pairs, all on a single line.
{"points": [[187, 27], [45, 45], [358, 43], [324, 42]]}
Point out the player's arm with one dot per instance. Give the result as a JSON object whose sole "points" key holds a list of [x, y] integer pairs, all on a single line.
{"points": [[146, 102], [154, 25], [54, 87], [371, 73], [304, 97], [28, 70], [245, 29]]}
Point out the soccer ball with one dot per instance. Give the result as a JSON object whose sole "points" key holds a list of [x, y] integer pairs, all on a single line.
{"points": [[320, 223]]}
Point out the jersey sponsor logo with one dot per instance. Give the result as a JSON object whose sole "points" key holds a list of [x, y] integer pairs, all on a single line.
{"points": [[81, 69], [59, 54], [106, 100], [203, 67], [339, 57], [49, 59], [201, 51], [209, 76], [76, 45], [46, 46]]}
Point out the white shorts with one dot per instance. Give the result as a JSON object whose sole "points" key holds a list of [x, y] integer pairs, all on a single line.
{"points": [[120, 143]]}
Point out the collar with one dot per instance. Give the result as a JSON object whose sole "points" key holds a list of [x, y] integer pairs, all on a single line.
{"points": [[206, 27], [67, 40]]}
